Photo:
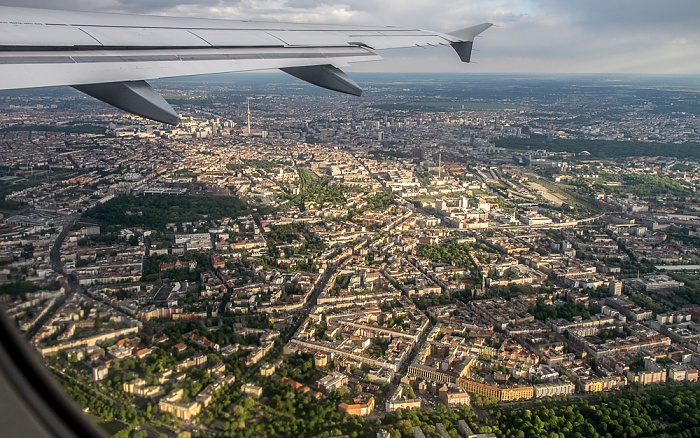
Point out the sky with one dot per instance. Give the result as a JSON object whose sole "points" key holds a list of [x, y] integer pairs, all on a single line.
{"points": [[532, 36]]}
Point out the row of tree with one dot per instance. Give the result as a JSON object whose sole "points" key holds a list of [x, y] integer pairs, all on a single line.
{"points": [[672, 410]]}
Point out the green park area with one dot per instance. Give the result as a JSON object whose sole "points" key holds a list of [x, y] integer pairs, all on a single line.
{"points": [[605, 148], [155, 211]]}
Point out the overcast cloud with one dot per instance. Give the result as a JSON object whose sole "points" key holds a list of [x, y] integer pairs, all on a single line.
{"points": [[569, 36]]}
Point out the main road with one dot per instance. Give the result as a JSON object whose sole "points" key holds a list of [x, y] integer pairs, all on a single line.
{"points": [[55, 255], [71, 279], [311, 299]]}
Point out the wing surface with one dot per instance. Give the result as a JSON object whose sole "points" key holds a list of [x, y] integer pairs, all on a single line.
{"points": [[40, 48]]}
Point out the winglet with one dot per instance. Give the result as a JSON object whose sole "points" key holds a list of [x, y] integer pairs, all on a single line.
{"points": [[469, 33], [135, 97], [466, 36]]}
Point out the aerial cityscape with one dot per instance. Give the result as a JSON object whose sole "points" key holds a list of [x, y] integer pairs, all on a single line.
{"points": [[450, 255]]}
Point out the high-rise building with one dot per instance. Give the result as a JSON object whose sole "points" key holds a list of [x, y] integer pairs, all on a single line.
{"points": [[616, 288]]}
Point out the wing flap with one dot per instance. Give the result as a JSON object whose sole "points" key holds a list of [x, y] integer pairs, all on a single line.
{"points": [[241, 38], [26, 35], [144, 37], [392, 41], [310, 38]]}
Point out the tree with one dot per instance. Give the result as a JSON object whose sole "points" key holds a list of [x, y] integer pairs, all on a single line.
{"points": [[124, 433]]}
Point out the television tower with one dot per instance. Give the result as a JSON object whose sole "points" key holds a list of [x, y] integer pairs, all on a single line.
{"points": [[248, 99]]}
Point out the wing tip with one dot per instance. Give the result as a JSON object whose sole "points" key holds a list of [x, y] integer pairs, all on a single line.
{"points": [[466, 36], [469, 33]]}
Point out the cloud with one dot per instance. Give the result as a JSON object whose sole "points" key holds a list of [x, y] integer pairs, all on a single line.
{"points": [[305, 4], [625, 13], [636, 36]]}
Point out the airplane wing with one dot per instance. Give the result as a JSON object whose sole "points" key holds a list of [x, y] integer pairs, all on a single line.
{"points": [[110, 56]]}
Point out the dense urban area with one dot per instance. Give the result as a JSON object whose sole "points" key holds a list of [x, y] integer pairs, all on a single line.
{"points": [[447, 256]]}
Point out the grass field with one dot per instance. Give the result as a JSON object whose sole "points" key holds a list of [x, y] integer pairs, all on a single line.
{"points": [[111, 427]]}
